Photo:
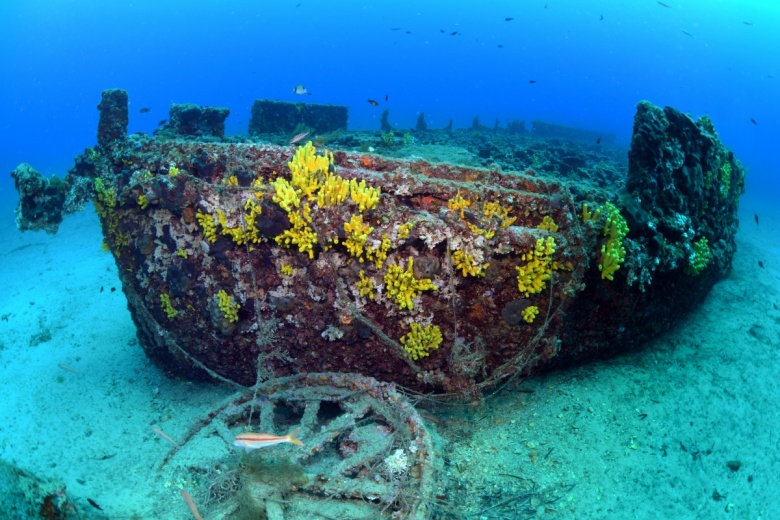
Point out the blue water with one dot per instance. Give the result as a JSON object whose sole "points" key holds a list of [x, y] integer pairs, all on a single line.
{"points": [[591, 61], [571, 62]]}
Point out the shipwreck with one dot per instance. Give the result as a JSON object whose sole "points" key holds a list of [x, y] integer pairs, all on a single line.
{"points": [[247, 261]]}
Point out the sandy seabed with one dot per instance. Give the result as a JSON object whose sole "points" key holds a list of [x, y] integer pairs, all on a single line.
{"points": [[687, 428]]}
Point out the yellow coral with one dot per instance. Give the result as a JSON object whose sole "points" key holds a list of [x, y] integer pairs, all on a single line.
{"points": [[458, 203], [467, 264], [300, 234], [378, 255], [206, 221], [530, 313], [167, 306], [420, 341], [364, 196], [333, 191], [402, 286], [365, 286], [143, 201], [613, 254], [309, 169], [252, 209], [236, 233], [228, 306], [403, 231], [532, 277], [106, 198], [487, 233], [548, 224], [357, 234], [494, 209], [286, 196], [587, 216], [286, 269]]}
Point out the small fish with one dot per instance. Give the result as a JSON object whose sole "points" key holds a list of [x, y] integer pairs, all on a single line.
{"points": [[300, 90], [298, 137], [756, 217], [500, 46], [531, 81], [94, 504], [454, 33], [753, 121], [68, 368], [161, 122], [395, 28], [687, 33], [145, 110], [664, 5], [598, 141], [760, 264], [442, 31], [386, 97], [254, 441], [748, 23], [508, 19], [373, 103], [601, 17], [164, 435], [407, 32], [191, 504]]}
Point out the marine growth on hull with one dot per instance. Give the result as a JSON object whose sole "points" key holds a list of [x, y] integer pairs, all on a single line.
{"points": [[357, 252]]}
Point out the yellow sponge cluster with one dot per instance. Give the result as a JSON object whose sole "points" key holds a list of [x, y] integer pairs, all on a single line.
{"points": [[228, 306], [241, 234], [467, 264], [378, 254], [365, 286], [312, 177], [167, 306], [458, 203], [364, 196], [490, 211], [402, 286], [206, 221], [548, 224], [613, 254], [530, 313], [312, 180], [494, 209], [333, 191], [420, 341], [286, 196], [357, 234], [532, 277], [246, 234], [300, 234], [308, 169]]}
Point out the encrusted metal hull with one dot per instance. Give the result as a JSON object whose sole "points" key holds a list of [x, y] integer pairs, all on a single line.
{"points": [[271, 289]]}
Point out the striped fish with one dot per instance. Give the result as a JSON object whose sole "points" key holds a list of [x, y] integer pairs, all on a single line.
{"points": [[254, 441], [298, 137]]}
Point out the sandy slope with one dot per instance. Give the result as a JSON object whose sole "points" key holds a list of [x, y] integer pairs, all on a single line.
{"points": [[646, 435]]}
